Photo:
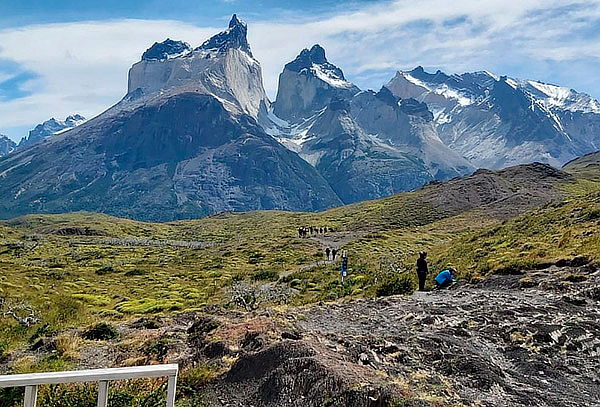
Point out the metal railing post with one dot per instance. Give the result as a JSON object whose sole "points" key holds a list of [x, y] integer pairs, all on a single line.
{"points": [[30, 396], [102, 393], [103, 377], [171, 388]]}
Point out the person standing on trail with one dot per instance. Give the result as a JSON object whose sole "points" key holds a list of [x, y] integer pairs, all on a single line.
{"points": [[327, 251], [422, 270], [333, 254]]}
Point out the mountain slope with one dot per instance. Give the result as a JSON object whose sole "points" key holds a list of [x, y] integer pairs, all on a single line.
{"points": [[49, 128], [496, 121], [366, 144], [175, 147], [6, 145]]}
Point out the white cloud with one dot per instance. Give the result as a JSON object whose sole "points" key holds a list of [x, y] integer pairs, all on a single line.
{"points": [[82, 67]]}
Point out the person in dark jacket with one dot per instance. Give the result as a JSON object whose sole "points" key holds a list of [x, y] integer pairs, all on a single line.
{"points": [[422, 270]]}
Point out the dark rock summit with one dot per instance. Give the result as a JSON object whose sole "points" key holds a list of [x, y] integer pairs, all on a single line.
{"points": [[234, 37], [308, 84], [165, 50], [314, 56]]}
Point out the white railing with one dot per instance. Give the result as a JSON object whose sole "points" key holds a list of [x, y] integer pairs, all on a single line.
{"points": [[102, 376]]}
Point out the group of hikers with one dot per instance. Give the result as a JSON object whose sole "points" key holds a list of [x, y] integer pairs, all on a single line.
{"points": [[331, 254], [307, 231], [443, 279]]}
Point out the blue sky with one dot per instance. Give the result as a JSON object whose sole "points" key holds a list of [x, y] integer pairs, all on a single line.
{"points": [[63, 56]]}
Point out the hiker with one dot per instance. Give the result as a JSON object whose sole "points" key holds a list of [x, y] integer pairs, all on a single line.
{"points": [[333, 254], [422, 270], [445, 278], [321, 230], [327, 252]]}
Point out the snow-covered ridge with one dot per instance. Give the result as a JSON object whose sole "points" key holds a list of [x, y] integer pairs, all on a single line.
{"points": [[329, 76], [462, 89], [562, 97], [51, 127]]}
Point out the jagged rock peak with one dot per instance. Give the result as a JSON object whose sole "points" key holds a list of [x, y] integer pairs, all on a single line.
{"points": [[308, 57], [234, 37], [314, 62], [167, 49], [49, 128], [387, 96]]}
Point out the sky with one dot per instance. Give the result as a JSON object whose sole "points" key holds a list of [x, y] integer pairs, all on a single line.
{"points": [[61, 57]]}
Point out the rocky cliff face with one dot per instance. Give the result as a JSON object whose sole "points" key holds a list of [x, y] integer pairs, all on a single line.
{"points": [[222, 66], [366, 144], [308, 84], [183, 143], [50, 128], [6, 145], [496, 121]]}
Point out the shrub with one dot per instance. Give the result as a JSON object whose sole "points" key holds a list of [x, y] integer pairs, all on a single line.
{"points": [[255, 257], [135, 272], [105, 270], [396, 285], [101, 332], [266, 275]]}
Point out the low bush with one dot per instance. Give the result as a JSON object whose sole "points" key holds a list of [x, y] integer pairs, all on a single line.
{"points": [[396, 285], [266, 275], [101, 332]]}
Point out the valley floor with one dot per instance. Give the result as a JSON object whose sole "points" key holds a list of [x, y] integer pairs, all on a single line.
{"points": [[511, 340]]}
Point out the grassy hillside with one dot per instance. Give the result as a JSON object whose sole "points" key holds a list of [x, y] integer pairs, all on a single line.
{"points": [[79, 268]]}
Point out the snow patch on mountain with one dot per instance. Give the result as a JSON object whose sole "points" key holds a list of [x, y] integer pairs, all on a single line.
{"points": [[50, 128], [330, 76], [562, 97]]}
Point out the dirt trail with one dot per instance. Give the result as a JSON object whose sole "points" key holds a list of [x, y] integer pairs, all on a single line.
{"points": [[336, 240], [497, 343], [333, 240]]}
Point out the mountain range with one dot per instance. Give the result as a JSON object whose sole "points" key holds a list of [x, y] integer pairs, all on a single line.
{"points": [[196, 134]]}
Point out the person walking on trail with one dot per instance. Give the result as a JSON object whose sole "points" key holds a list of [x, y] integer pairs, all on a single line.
{"points": [[327, 253], [333, 254], [422, 270]]}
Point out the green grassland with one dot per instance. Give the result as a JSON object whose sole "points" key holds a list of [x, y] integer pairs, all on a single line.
{"points": [[79, 268]]}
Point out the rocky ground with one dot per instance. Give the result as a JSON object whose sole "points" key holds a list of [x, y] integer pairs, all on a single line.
{"points": [[512, 340]]}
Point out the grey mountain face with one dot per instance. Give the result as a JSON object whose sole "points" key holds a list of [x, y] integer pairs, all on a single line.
{"points": [[185, 147], [6, 145], [496, 122], [308, 84], [222, 66], [49, 128], [366, 144]]}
